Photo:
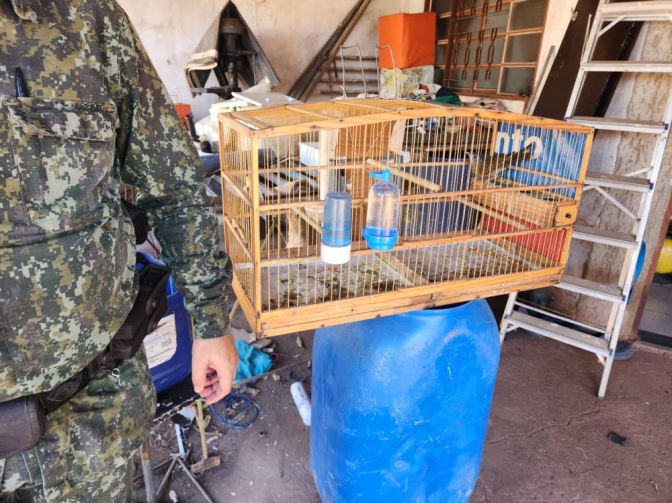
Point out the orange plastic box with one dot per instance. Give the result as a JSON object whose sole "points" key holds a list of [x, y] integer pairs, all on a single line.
{"points": [[183, 109], [412, 37]]}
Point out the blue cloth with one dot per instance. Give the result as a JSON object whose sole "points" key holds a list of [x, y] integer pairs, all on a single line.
{"points": [[252, 361]]}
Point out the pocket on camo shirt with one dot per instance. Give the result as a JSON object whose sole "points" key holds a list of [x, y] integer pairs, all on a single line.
{"points": [[64, 153]]}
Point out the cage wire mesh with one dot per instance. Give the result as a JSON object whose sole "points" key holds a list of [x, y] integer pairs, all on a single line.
{"points": [[487, 198]]}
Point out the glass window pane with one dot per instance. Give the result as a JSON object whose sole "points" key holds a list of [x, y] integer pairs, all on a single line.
{"points": [[523, 48], [442, 27], [468, 4], [486, 81], [528, 15], [462, 54], [440, 57], [468, 24], [462, 80], [441, 6], [517, 81], [497, 20], [497, 50], [438, 76]]}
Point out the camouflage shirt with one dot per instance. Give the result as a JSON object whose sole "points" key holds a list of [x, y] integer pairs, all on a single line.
{"points": [[97, 115]]}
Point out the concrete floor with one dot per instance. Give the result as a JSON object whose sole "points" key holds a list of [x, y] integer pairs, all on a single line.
{"points": [[657, 316], [547, 439]]}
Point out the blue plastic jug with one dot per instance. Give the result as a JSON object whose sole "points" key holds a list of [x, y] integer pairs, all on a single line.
{"points": [[401, 405]]}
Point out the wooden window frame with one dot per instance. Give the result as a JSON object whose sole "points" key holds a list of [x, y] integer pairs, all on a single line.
{"points": [[448, 43]]}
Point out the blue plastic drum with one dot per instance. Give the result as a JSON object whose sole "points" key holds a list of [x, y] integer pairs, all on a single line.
{"points": [[400, 405], [178, 367]]}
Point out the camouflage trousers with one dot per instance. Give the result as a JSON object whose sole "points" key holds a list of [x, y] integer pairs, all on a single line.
{"points": [[86, 453]]}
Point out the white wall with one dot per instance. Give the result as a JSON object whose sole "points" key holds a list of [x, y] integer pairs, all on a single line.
{"points": [[289, 31]]}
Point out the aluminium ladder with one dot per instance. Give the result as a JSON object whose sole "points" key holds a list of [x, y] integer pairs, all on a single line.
{"points": [[642, 181]]}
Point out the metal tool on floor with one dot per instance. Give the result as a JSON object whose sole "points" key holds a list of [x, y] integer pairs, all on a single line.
{"points": [[208, 461], [178, 459], [153, 495], [642, 180]]}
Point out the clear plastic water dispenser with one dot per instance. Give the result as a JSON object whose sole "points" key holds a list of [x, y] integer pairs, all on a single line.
{"points": [[382, 215], [336, 228]]}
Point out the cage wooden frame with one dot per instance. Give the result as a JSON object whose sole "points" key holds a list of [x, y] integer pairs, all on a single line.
{"points": [[259, 216]]}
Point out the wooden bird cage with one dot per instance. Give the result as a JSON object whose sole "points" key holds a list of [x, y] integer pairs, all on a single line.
{"points": [[488, 201]]}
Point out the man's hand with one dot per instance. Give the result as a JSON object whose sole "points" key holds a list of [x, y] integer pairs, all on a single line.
{"points": [[213, 367]]}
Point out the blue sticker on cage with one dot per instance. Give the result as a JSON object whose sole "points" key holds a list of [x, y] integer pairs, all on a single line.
{"points": [[556, 155]]}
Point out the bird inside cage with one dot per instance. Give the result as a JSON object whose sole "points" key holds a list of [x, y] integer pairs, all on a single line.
{"points": [[491, 166]]}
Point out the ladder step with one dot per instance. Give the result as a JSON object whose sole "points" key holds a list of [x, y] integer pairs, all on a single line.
{"points": [[618, 182], [339, 81], [628, 66], [351, 58], [619, 239], [354, 70], [636, 11], [596, 345], [632, 125], [591, 289]]}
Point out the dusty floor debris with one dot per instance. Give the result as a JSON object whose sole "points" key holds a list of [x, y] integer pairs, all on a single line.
{"points": [[547, 439]]}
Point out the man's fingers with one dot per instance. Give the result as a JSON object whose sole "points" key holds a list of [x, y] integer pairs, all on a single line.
{"points": [[219, 393], [198, 376], [214, 367], [211, 379]]}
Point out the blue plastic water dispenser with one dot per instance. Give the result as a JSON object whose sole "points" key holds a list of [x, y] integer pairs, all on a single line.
{"points": [[382, 214]]}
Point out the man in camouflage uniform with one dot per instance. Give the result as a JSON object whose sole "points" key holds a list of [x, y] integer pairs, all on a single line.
{"points": [[97, 115]]}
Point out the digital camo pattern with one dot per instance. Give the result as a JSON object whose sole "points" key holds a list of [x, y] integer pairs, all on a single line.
{"points": [[97, 116], [85, 453]]}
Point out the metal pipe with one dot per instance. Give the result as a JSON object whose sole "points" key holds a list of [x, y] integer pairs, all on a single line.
{"points": [[166, 478], [194, 481], [148, 474]]}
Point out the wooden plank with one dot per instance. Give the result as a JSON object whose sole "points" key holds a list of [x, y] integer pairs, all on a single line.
{"points": [[230, 184], [237, 233], [579, 192], [462, 289], [302, 214], [336, 315], [275, 258], [430, 111], [434, 187], [526, 253], [408, 273], [489, 212], [259, 124], [308, 112], [245, 304], [256, 231], [532, 210], [542, 174], [239, 127], [224, 182], [357, 143], [436, 197]]}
